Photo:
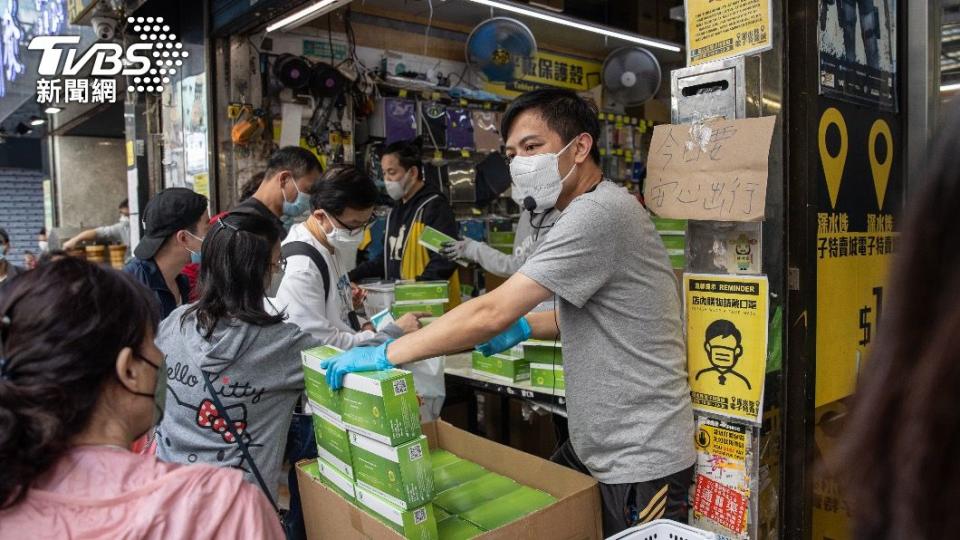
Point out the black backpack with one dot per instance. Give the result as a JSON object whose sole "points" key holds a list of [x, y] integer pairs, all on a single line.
{"points": [[303, 248]]}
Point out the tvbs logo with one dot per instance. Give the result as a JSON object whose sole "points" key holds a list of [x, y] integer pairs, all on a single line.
{"points": [[149, 64]]}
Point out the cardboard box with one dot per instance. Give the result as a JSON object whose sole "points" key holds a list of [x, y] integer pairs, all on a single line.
{"points": [[502, 367], [419, 291], [538, 351], [466, 497], [332, 477], [456, 473], [401, 474], [333, 443], [315, 381], [433, 308], [547, 376], [454, 528], [416, 524], [575, 515], [382, 405], [510, 507]]}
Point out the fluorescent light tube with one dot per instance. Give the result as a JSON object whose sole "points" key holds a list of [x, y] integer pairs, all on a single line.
{"points": [[950, 87], [565, 21], [307, 14]]}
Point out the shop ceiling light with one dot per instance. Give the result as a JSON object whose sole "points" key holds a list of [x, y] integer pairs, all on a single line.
{"points": [[36, 121], [950, 87], [572, 23], [52, 110], [307, 14]]}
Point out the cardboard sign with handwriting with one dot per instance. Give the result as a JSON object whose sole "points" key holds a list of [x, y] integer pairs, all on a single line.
{"points": [[715, 171]]}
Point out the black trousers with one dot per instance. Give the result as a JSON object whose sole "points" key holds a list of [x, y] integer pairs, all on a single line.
{"points": [[627, 505]]}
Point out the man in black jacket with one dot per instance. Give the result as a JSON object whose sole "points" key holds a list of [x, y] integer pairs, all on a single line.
{"points": [[417, 202]]}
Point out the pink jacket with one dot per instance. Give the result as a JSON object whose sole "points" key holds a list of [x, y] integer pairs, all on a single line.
{"points": [[104, 492]]}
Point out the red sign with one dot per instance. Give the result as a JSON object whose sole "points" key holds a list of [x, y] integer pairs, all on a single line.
{"points": [[722, 504]]}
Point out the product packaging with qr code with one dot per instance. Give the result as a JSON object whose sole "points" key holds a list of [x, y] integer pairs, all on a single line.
{"points": [[402, 474], [381, 405], [418, 523]]}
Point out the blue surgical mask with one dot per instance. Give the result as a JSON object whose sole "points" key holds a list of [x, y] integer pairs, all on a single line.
{"points": [[195, 255], [300, 204]]}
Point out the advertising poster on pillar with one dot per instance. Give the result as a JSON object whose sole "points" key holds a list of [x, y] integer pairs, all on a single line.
{"points": [[858, 52], [860, 182]]}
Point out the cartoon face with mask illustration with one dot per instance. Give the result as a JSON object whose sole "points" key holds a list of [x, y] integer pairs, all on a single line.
{"points": [[723, 348]]}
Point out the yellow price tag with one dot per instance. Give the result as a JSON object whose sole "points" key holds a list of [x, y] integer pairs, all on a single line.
{"points": [[435, 96], [486, 105], [438, 155], [643, 127], [619, 125], [463, 102], [403, 92], [619, 117], [603, 151], [465, 153]]}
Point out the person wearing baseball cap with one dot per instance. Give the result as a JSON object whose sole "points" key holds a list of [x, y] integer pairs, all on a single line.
{"points": [[175, 222]]}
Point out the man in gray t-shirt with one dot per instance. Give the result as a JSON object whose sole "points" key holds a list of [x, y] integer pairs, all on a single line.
{"points": [[628, 401]]}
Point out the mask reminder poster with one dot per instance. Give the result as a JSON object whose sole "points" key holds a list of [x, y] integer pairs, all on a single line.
{"points": [[726, 343]]}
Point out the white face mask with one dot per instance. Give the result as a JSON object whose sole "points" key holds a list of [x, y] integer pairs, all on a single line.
{"points": [[396, 190], [124, 219], [342, 239], [536, 180], [43, 245]]}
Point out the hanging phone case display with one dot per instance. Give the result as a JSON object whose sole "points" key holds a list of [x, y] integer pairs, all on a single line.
{"points": [[486, 131], [400, 119], [459, 129], [462, 187], [433, 124]]}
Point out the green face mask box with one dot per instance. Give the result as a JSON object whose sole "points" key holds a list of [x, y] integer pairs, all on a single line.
{"points": [[501, 367], [333, 443], [456, 473], [318, 392], [442, 458], [433, 239], [454, 528], [543, 352], [510, 507], [400, 474], [381, 405], [416, 524], [335, 480], [466, 497], [501, 237], [547, 376], [435, 309], [420, 291]]}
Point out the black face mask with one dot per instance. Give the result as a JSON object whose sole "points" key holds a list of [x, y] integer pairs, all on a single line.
{"points": [[159, 394]]}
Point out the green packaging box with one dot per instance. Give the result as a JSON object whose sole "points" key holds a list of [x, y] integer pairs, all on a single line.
{"points": [[440, 514], [454, 528], [503, 248], [433, 308], [337, 481], [456, 473], [678, 261], [312, 468], [510, 507], [382, 405], [538, 351], [416, 524], [401, 474], [427, 320], [547, 376], [316, 384], [674, 241], [502, 367], [433, 239], [442, 458], [466, 497], [419, 291], [501, 237], [668, 225], [333, 443]]}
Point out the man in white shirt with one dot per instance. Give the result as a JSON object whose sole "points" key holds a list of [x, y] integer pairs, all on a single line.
{"points": [[118, 233]]}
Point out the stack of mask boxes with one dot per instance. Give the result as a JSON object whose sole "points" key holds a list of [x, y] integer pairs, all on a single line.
{"points": [[371, 448], [546, 363]]}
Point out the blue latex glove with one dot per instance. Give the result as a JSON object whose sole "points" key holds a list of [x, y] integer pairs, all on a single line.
{"points": [[356, 359], [517, 333]]}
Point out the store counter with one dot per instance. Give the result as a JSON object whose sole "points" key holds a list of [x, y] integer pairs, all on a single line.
{"points": [[458, 373]]}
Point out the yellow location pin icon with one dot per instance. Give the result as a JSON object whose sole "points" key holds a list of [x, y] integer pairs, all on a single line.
{"points": [[881, 171], [833, 165]]}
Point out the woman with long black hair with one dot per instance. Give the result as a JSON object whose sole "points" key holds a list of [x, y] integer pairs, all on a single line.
{"points": [[79, 374]]}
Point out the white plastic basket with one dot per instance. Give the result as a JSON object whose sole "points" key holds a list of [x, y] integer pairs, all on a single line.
{"points": [[379, 297], [664, 529]]}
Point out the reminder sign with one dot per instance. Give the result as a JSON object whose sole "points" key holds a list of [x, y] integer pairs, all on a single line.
{"points": [[726, 343], [719, 29], [715, 171]]}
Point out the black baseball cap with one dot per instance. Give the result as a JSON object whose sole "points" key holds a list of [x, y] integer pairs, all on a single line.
{"points": [[169, 211]]}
